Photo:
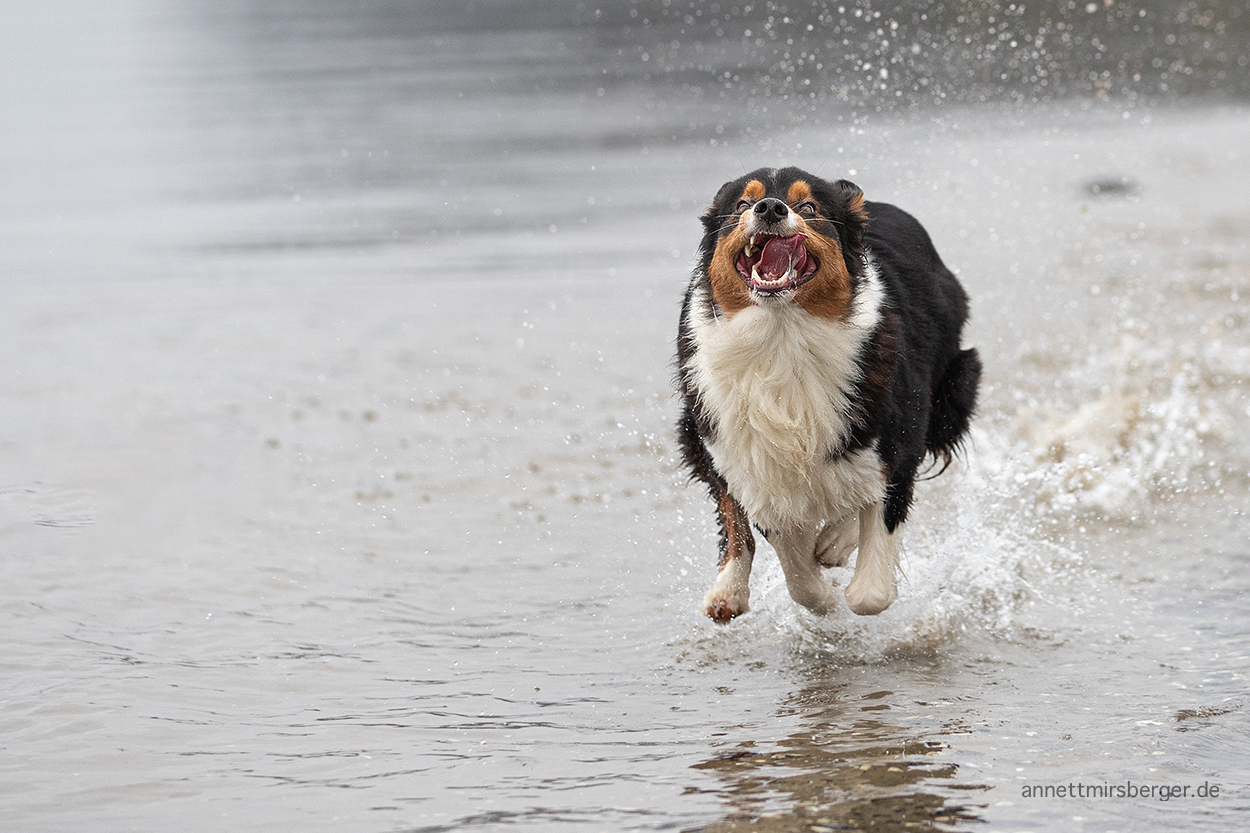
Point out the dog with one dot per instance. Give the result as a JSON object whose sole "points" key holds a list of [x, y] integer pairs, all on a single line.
{"points": [[818, 363]]}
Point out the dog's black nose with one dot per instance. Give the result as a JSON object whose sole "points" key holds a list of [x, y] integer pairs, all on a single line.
{"points": [[771, 209]]}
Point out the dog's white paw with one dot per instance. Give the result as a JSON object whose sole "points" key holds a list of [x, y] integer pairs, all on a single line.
{"points": [[729, 594], [820, 600], [723, 607], [868, 596], [874, 585], [813, 592]]}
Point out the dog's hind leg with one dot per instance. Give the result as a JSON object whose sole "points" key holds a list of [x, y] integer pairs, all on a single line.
{"points": [[796, 549], [874, 586], [731, 590], [836, 541]]}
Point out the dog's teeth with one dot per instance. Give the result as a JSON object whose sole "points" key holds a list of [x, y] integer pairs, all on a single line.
{"points": [[750, 249], [755, 275]]}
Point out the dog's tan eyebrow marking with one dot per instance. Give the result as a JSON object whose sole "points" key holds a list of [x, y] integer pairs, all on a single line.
{"points": [[754, 191], [799, 192]]}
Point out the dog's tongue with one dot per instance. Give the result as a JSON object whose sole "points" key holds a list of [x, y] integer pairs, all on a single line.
{"points": [[780, 254]]}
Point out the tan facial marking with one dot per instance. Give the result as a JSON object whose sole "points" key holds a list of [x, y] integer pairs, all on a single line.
{"points": [[728, 290], [828, 293], [799, 192]]}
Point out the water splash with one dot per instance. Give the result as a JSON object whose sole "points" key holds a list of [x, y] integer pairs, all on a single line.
{"points": [[999, 548], [1159, 422]]}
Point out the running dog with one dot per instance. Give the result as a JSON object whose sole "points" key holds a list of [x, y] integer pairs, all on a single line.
{"points": [[818, 363]]}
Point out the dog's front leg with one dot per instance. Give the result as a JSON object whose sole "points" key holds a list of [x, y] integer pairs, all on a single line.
{"points": [[837, 540], [731, 590], [873, 587], [796, 549]]}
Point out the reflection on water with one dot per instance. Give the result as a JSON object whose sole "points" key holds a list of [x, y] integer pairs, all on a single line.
{"points": [[846, 765], [872, 779]]}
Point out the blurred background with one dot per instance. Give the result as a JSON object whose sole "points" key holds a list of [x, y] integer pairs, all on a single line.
{"points": [[126, 128]]}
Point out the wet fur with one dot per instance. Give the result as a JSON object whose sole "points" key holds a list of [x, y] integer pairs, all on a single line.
{"points": [[807, 413]]}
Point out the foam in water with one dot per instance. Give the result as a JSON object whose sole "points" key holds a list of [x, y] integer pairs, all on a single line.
{"points": [[997, 546], [967, 567], [1160, 422]]}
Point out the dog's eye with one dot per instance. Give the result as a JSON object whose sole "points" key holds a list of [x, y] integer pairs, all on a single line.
{"points": [[807, 209], [742, 205]]}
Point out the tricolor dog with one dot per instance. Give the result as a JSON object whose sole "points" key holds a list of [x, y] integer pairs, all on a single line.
{"points": [[819, 362]]}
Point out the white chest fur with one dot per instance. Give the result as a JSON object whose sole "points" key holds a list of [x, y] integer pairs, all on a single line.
{"points": [[775, 381]]}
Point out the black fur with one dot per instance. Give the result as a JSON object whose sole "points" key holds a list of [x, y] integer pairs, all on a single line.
{"points": [[935, 383]]}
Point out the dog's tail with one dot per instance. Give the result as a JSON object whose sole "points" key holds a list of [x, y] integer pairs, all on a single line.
{"points": [[954, 402]]}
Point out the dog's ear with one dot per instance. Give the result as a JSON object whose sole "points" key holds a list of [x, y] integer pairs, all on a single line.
{"points": [[716, 218], [712, 222], [851, 220], [719, 210]]}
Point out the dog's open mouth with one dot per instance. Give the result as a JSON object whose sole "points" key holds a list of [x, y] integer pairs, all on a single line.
{"points": [[770, 264]]}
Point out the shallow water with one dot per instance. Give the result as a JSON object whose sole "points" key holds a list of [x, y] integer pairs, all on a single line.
{"points": [[339, 489]]}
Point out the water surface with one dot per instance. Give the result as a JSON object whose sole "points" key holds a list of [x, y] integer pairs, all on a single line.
{"points": [[339, 487]]}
